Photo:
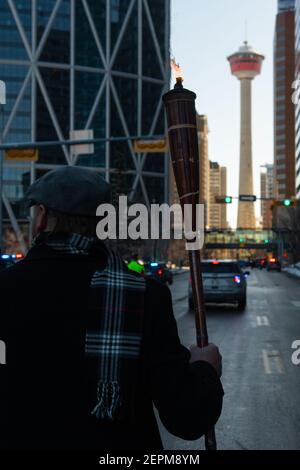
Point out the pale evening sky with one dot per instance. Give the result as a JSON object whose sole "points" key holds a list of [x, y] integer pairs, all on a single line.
{"points": [[203, 34]]}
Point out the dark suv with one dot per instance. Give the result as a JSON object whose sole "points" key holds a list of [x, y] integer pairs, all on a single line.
{"points": [[223, 282]]}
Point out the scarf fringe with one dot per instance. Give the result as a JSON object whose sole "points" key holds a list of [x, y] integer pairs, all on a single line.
{"points": [[108, 400]]}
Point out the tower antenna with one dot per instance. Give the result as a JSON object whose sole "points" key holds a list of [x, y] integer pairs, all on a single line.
{"points": [[246, 32]]}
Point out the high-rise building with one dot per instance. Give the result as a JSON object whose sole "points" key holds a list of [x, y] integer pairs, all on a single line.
{"points": [[284, 5], [217, 187], [267, 191], [284, 111], [85, 64], [297, 112], [214, 190], [246, 64], [203, 130], [224, 224]]}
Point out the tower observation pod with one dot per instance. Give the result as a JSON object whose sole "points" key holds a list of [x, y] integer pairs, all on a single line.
{"points": [[246, 64]]}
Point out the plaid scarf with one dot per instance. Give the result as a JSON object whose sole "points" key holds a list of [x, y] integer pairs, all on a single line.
{"points": [[114, 325]]}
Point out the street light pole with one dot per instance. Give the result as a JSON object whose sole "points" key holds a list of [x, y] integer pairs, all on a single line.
{"points": [[2, 103]]}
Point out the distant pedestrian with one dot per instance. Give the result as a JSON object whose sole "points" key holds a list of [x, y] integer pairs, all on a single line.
{"points": [[90, 344]]}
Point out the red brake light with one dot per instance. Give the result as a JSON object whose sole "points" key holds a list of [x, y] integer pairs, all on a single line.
{"points": [[272, 260], [216, 262], [19, 256], [160, 272]]}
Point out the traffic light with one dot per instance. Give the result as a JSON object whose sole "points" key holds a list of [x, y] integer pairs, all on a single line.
{"points": [[285, 202], [288, 202], [223, 199], [266, 241], [242, 240]]}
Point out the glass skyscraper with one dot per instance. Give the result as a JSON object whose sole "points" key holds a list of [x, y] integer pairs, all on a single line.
{"points": [[84, 64]]}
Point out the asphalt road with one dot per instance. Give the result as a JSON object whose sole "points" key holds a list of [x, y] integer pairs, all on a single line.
{"points": [[262, 387]]}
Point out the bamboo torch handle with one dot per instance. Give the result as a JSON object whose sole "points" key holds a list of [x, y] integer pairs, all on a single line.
{"points": [[183, 141]]}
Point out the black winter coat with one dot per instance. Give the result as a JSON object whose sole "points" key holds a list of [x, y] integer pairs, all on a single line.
{"points": [[44, 383]]}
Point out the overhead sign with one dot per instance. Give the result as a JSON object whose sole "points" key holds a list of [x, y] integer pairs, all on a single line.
{"points": [[2, 92], [247, 198], [22, 155], [82, 149], [151, 146]]}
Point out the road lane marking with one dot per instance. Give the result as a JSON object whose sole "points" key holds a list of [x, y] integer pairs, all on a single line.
{"points": [[262, 320], [279, 364], [272, 358], [266, 362], [295, 303]]}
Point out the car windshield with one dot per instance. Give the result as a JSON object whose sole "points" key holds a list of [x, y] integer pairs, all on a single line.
{"points": [[220, 268]]}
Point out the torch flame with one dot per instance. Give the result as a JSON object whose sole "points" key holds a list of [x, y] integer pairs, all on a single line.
{"points": [[177, 70]]}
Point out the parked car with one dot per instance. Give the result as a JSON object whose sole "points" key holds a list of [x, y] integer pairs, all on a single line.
{"points": [[223, 282], [274, 265], [159, 271]]}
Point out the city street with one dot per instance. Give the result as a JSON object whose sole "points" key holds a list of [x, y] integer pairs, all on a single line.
{"points": [[130, 124], [262, 401]]}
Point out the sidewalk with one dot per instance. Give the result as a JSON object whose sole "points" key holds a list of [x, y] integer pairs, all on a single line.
{"points": [[293, 270]]}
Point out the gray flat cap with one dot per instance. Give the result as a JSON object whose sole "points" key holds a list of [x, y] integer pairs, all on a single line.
{"points": [[71, 190]]}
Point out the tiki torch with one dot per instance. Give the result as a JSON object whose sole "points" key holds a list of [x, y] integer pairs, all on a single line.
{"points": [[183, 142]]}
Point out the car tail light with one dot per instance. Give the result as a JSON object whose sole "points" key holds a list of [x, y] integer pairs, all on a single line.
{"points": [[160, 272], [272, 260], [237, 279], [216, 262], [19, 256]]}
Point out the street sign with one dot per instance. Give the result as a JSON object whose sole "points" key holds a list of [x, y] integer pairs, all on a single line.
{"points": [[151, 146], [247, 198], [22, 155], [82, 149], [2, 92]]}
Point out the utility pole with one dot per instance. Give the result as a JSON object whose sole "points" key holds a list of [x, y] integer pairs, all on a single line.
{"points": [[2, 103]]}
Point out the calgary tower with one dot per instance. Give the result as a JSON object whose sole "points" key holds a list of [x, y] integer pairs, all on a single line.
{"points": [[246, 65]]}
